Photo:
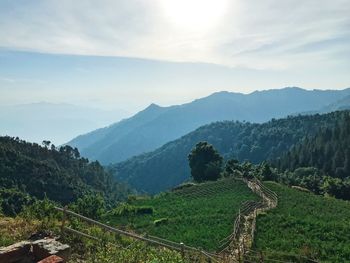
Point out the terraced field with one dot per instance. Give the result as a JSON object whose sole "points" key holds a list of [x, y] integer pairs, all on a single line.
{"points": [[199, 215], [306, 225]]}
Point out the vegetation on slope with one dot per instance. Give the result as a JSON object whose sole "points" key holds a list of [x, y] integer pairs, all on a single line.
{"points": [[41, 219], [305, 224], [28, 170], [323, 160], [167, 166], [197, 215]]}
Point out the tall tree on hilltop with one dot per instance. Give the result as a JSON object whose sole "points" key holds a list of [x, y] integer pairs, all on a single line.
{"points": [[205, 162]]}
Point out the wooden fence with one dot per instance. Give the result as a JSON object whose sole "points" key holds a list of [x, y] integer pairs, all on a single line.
{"points": [[152, 240], [239, 242], [234, 248]]}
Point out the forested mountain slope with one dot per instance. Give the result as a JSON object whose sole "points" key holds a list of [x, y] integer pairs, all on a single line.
{"points": [[328, 150], [168, 166], [320, 162], [28, 169], [157, 125]]}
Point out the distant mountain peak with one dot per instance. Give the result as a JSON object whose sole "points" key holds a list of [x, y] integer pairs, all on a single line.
{"points": [[153, 106], [292, 88], [157, 125]]}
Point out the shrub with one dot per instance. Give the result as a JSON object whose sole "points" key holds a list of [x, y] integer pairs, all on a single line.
{"points": [[127, 209], [42, 210], [160, 221], [90, 205], [183, 186], [13, 201]]}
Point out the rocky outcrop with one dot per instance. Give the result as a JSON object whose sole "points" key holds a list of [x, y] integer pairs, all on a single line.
{"points": [[46, 247], [16, 253], [33, 251]]}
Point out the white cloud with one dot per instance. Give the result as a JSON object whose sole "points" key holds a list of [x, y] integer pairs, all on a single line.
{"points": [[250, 33]]}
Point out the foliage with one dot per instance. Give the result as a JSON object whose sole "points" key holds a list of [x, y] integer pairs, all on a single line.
{"points": [[16, 229], [167, 166], [109, 248], [136, 252], [12, 201], [126, 209], [44, 211], [205, 162], [90, 205], [328, 150], [305, 224], [199, 215], [58, 173], [321, 162]]}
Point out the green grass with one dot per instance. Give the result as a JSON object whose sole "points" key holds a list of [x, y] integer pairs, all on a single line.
{"points": [[199, 216], [305, 224]]}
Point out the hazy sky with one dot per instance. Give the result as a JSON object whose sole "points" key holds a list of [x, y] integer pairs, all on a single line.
{"points": [[129, 53]]}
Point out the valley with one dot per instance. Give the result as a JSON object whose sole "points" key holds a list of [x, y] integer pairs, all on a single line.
{"points": [[228, 191], [175, 131]]}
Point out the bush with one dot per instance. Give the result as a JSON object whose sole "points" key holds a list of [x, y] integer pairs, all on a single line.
{"points": [[144, 210], [42, 210], [126, 209], [183, 186], [90, 205], [13, 201], [160, 221]]}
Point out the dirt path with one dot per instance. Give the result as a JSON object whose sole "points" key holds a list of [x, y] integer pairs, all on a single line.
{"points": [[246, 220]]}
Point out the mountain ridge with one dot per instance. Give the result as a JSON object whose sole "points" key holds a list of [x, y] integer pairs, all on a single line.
{"points": [[167, 166], [156, 125]]}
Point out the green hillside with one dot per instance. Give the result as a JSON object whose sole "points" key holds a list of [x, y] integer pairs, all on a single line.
{"points": [[28, 170], [199, 215], [168, 165], [305, 224]]}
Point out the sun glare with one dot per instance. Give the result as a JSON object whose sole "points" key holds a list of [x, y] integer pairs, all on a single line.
{"points": [[199, 15]]}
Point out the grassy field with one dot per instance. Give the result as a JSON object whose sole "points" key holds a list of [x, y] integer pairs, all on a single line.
{"points": [[305, 224], [199, 215]]}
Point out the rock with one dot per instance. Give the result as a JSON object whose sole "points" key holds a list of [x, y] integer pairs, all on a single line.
{"points": [[46, 247], [52, 259], [19, 252], [41, 235]]}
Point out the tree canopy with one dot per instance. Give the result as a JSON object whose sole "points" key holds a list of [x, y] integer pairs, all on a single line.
{"points": [[168, 166], [28, 170], [205, 162]]}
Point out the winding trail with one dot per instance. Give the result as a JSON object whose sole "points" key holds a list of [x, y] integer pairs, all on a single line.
{"points": [[242, 237]]}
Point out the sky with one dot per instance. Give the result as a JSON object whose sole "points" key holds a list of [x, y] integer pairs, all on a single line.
{"points": [[126, 54]]}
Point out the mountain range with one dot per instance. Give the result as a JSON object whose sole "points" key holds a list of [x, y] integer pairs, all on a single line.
{"points": [[156, 125]]}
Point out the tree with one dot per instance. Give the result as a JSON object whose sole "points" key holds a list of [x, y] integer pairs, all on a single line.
{"points": [[332, 186], [266, 172], [91, 205], [46, 143], [233, 168], [205, 162]]}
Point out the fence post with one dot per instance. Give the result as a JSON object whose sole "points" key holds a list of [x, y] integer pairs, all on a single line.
{"points": [[243, 247], [63, 220], [261, 257], [182, 250], [239, 252]]}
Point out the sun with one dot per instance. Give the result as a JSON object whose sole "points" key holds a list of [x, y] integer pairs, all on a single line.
{"points": [[198, 15]]}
